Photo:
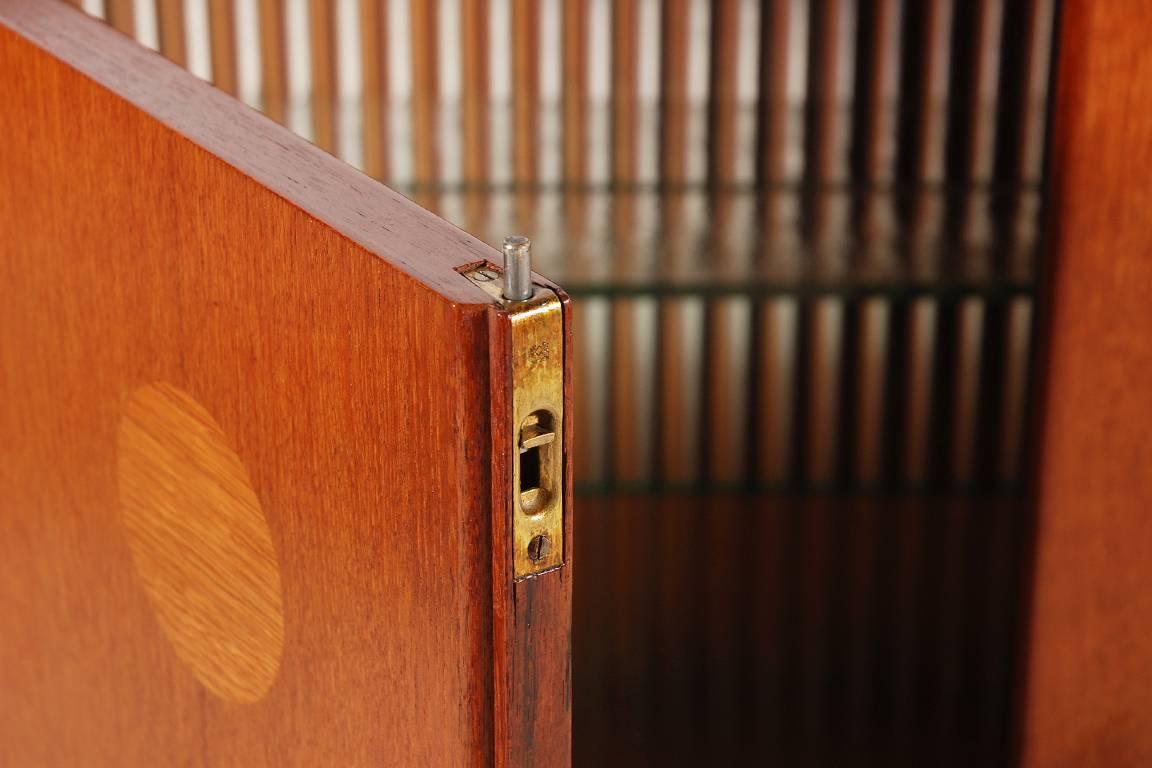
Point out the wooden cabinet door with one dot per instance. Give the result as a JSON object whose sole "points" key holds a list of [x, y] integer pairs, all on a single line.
{"points": [[1088, 696], [257, 443]]}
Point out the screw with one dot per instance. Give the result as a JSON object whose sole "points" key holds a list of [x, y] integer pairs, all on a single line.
{"points": [[539, 548], [484, 275]]}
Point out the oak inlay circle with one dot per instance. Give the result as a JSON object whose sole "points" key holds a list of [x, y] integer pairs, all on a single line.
{"points": [[200, 543]]}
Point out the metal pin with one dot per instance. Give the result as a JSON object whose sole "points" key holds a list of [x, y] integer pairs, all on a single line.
{"points": [[517, 268]]}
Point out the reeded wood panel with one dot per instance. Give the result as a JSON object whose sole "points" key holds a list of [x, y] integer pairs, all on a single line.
{"points": [[245, 443], [802, 164]]}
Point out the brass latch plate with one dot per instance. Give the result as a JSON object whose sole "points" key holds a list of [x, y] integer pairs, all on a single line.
{"points": [[537, 424]]}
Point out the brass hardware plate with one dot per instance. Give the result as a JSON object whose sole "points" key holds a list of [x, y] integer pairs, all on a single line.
{"points": [[537, 424]]}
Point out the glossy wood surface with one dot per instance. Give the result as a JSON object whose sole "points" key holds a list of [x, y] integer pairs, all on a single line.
{"points": [[198, 308], [1088, 697]]}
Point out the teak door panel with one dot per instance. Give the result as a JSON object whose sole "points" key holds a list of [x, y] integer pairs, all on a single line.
{"points": [[253, 485], [1088, 695]]}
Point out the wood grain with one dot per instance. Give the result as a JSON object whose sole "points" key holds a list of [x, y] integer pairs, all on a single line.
{"points": [[318, 317], [1089, 691]]}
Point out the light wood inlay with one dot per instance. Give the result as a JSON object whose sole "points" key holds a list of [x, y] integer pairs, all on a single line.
{"points": [[200, 543]]}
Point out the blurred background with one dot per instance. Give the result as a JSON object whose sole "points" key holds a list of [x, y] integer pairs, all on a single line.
{"points": [[802, 238]]}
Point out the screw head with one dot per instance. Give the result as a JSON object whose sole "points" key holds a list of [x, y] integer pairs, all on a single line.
{"points": [[539, 548], [484, 275]]}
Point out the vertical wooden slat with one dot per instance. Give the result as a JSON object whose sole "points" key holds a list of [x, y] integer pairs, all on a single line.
{"points": [[775, 418], [887, 659], [170, 20], [322, 39], [624, 90], [273, 64], [722, 105], [942, 424], [679, 357], [474, 56], [774, 343], [674, 106], [726, 407], [726, 461], [917, 406], [874, 370], [977, 377], [873, 122], [678, 453], [825, 349], [575, 89], [591, 383], [525, 105], [1017, 111], [919, 159], [821, 118], [973, 330], [1018, 368], [773, 87], [121, 14], [934, 48], [627, 444], [848, 569], [222, 39], [424, 19], [848, 388], [671, 391], [374, 104], [574, 95], [993, 395], [970, 121], [897, 386]]}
